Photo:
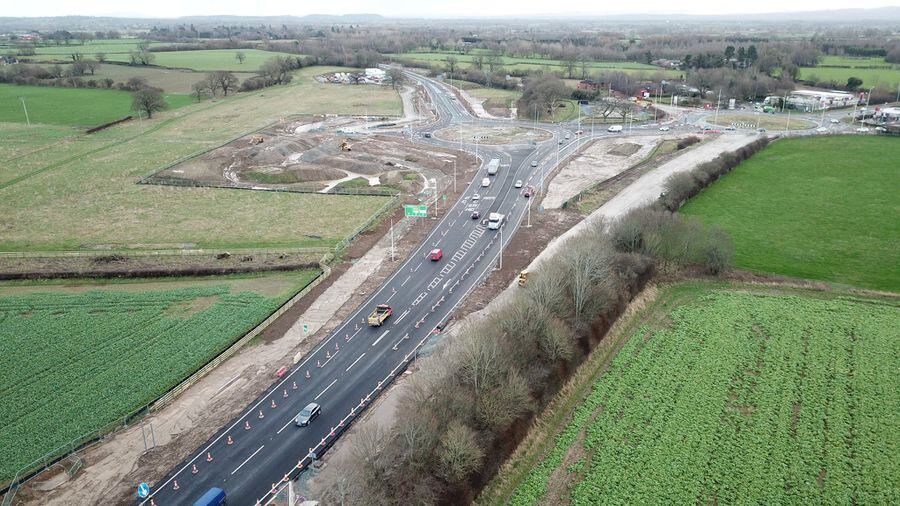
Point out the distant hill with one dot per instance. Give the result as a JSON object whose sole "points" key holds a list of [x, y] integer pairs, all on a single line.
{"points": [[884, 15]]}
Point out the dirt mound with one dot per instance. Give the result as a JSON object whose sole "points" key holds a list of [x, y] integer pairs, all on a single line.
{"points": [[625, 149]]}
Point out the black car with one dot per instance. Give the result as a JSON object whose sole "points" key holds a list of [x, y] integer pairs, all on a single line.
{"points": [[476, 215], [307, 414]]}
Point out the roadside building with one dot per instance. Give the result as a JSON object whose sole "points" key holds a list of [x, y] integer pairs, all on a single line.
{"points": [[816, 100], [589, 84]]}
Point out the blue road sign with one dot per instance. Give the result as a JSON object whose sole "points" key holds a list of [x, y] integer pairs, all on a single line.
{"points": [[143, 490]]}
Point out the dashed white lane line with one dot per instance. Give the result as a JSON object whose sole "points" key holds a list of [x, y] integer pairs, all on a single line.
{"points": [[285, 425], [405, 280], [391, 297], [402, 316], [417, 267], [326, 389], [329, 360], [354, 362], [248, 459], [380, 337]]}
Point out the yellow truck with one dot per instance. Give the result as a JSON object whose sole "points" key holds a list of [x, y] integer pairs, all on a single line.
{"points": [[379, 315]]}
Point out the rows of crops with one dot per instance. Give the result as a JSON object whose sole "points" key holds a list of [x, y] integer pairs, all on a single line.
{"points": [[72, 363], [744, 398]]}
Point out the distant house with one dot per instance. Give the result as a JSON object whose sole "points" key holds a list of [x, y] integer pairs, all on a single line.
{"points": [[589, 84], [8, 60], [666, 64]]}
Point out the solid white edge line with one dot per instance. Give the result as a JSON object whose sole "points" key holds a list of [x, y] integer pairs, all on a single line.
{"points": [[248, 459], [326, 389], [354, 362]]}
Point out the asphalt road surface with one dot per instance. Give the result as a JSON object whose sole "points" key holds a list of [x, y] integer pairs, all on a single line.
{"points": [[255, 452]]}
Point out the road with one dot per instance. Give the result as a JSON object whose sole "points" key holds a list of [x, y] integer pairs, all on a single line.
{"points": [[256, 452]]}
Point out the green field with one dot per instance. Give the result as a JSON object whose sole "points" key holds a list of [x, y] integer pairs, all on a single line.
{"points": [[171, 80], [745, 395], [82, 107], [820, 208], [532, 64], [213, 59], [79, 192], [873, 71], [75, 359], [88, 49]]}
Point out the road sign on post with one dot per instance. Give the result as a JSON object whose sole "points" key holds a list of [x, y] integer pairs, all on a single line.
{"points": [[416, 211], [305, 328], [143, 490]]}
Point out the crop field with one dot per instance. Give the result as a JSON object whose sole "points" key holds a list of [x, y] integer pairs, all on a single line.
{"points": [[873, 71], [69, 106], [741, 395], [533, 64], [820, 208], [74, 359], [212, 59], [81, 194]]}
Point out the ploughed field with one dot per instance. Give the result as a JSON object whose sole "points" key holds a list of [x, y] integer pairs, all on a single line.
{"points": [[735, 397], [76, 360]]}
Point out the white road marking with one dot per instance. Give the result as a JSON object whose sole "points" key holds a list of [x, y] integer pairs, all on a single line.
{"points": [[248, 459], [405, 280], [286, 425], [326, 389], [329, 360], [354, 362], [402, 316], [391, 297], [417, 267], [380, 337]]}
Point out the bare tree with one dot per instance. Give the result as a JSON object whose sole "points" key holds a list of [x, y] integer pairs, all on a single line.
{"points": [[452, 64], [397, 77], [240, 57], [148, 100], [225, 81], [459, 453], [101, 57]]}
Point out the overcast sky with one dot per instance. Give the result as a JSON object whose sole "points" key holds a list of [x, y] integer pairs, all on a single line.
{"points": [[413, 8]]}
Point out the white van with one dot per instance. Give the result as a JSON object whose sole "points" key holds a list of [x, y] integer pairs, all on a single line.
{"points": [[614, 128], [485, 182]]}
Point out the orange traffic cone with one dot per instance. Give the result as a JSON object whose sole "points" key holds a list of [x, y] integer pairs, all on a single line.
{"points": [[294, 386], [208, 457], [336, 347], [194, 469], [346, 337], [327, 354], [318, 363], [307, 374], [285, 393], [230, 441], [273, 404], [152, 502], [261, 415], [247, 425], [175, 485]]}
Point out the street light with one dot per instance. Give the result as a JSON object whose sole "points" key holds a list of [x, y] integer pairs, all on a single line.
{"points": [[27, 120]]}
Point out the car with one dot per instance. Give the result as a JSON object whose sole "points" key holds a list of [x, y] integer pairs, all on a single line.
{"points": [[663, 129], [485, 182], [863, 130], [835, 120], [475, 197], [560, 142], [307, 414], [528, 191], [730, 128], [614, 128], [579, 132], [534, 163], [761, 130], [821, 130], [436, 254], [476, 215], [518, 183], [568, 136], [427, 135], [880, 129]]}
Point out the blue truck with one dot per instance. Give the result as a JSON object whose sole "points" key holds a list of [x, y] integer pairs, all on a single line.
{"points": [[213, 497]]}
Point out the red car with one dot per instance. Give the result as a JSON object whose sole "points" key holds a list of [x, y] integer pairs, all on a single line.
{"points": [[436, 254], [528, 191]]}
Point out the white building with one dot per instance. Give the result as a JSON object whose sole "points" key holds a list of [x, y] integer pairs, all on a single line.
{"points": [[375, 73]]}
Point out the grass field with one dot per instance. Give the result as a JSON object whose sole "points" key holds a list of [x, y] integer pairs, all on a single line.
{"points": [[818, 208], [533, 64], [70, 106], [171, 80], [75, 358], [88, 49], [213, 59], [873, 71], [81, 193], [725, 395]]}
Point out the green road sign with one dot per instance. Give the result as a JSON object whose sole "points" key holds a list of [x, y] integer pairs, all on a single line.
{"points": [[420, 211], [305, 327]]}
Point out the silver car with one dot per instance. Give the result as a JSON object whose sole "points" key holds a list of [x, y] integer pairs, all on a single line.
{"points": [[307, 414]]}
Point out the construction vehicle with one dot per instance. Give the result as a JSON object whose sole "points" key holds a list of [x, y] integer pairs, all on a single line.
{"points": [[379, 315], [345, 145], [523, 278]]}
